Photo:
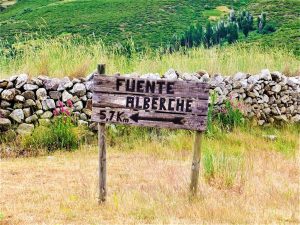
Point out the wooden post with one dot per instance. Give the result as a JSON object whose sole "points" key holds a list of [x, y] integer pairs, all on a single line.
{"points": [[196, 163], [102, 152]]}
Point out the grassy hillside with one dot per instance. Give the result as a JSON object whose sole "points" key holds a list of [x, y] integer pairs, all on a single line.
{"points": [[147, 22]]}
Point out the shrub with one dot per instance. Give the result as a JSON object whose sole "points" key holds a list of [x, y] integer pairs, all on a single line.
{"points": [[268, 28], [230, 115], [60, 134]]}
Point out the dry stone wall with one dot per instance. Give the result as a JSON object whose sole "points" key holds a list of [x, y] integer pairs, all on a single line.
{"points": [[26, 102]]}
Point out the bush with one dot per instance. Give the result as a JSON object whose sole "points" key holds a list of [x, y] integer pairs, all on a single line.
{"points": [[268, 28]]}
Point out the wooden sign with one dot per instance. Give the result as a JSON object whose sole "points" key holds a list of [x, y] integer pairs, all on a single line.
{"points": [[151, 103]]}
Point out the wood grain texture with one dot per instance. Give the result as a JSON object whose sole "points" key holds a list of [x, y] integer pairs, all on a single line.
{"points": [[150, 103]]}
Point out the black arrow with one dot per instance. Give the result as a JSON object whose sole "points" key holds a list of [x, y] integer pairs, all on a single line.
{"points": [[175, 120]]}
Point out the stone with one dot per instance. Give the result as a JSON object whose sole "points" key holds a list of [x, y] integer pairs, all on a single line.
{"points": [[8, 94], [216, 80], [78, 106], [276, 76], [76, 80], [66, 96], [18, 105], [83, 116], [276, 88], [188, 76], [293, 81], [153, 76], [30, 87], [75, 99], [27, 112], [19, 98], [88, 112], [29, 103], [261, 122], [39, 105], [79, 89], [285, 98], [39, 112], [265, 75], [25, 129], [47, 115], [266, 98], [204, 78], [48, 104], [82, 123], [37, 81], [267, 111], [63, 81], [29, 95], [13, 78], [32, 119], [295, 119], [89, 85], [253, 79], [21, 80], [239, 76], [41, 94], [89, 95], [52, 84], [4, 104], [90, 77], [171, 74], [56, 95], [5, 124], [17, 115], [44, 122], [4, 113], [3, 83]]}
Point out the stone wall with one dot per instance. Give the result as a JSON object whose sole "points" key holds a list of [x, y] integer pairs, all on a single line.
{"points": [[26, 102]]}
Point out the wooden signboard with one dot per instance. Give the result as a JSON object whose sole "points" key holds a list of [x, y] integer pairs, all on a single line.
{"points": [[157, 103], [150, 103]]}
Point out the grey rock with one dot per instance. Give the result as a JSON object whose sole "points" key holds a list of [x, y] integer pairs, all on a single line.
{"points": [[79, 89], [4, 104], [4, 113], [89, 85], [276, 76], [153, 76], [240, 76], [78, 106], [261, 122], [83, 117], [48, 104], [89, 95], [44, 122], [63, 82], [270, 137], [5, 124], [32, 119], [29, 95], [27, 112], [295, 119], [30, 87], [18, 105], [266, 98], [13, 78], [37, 81], [8, 95], [253, 79], [17, 115], [29, 103], [47, 115], [276, 88], [25, 129], [284, 99], [56, 95], [21, 80], [39, 105], [66, 96], [3, 83], [51, 84], [82, 123], [265, 75], [171, 74], [39, 112], [41, 94], [19, 98], [216, 80]]}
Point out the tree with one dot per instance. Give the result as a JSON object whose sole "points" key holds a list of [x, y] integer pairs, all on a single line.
{"points": [[233, 34], [208, 35]]}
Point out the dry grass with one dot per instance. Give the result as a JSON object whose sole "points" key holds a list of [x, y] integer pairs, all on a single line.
{"points": [[147, 187], [62, 56]]}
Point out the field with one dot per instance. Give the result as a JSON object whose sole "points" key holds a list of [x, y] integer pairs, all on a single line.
{"points": [[251, 183]]}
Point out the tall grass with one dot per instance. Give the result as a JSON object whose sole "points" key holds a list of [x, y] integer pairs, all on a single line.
{"points": [[67, 56]]}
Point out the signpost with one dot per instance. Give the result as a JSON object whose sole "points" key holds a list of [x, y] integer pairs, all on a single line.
{"points": [[142, 102]]}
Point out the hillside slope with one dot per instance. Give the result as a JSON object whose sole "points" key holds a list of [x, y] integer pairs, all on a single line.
{"points": [[147, 22]]}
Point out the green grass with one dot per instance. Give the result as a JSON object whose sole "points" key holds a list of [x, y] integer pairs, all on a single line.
{"points": [[55, 57], [149, 23]]}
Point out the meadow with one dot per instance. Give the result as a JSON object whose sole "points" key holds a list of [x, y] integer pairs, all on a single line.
{"points": [[245, 178], [55, 58]]}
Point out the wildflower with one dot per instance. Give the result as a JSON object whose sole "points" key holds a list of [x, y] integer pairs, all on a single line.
{"points": [[60, 104], [69, 103], [56, 112]]}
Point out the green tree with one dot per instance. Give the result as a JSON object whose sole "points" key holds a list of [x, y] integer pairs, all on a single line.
{"points": [[208, 35]]}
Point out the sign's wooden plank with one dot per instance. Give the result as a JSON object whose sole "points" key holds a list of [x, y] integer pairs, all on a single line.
{"points": [[152, 103], [150, 87], [159, 104], [149, 119]]}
